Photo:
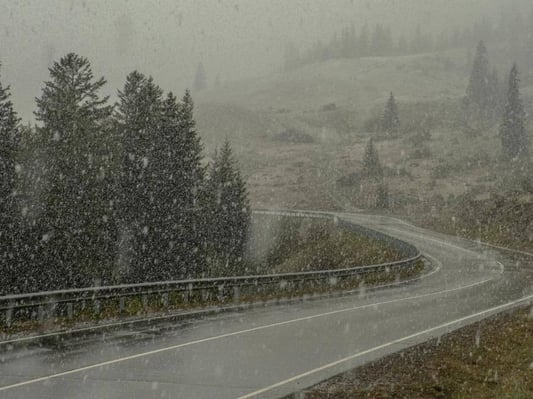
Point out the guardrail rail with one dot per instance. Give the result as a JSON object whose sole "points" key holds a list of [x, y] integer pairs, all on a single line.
{"points": [[42, 308]]}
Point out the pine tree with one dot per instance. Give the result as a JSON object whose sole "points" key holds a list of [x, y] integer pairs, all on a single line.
{"points": [[229, 211], [9, 145], [139, 122], [391, 120], [371, 165], [494, 99], [75, 224], [200, 79], [478, 90], [382, 200], [513, 131], [181, 182]]}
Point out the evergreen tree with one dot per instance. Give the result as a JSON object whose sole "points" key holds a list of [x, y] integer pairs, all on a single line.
{"points": [[139, 119], [229, 213], [513, 131], [76, 226], [371, 165], [181, 182], [200, 79], [9, 145], [161, 180], [391, 120], [494, 99], [382, 200], [478, 90]]}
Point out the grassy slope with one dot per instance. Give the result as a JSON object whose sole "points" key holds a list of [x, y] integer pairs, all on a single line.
{"points": [[281, 174], [285, 245]]}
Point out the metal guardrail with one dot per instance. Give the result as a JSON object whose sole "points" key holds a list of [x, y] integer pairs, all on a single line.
{"points": [[40, 307]]}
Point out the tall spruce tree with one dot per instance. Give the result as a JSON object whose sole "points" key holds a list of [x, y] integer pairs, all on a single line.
{"points": [[495, 97], [77, 238], [371, 164], [229, 210], [478, 90], [9, 145], [139, 116], [391, 119], [513, 132], [181, 178]]}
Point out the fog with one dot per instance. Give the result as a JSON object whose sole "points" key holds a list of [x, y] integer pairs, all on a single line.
{"points": [[234, 39], [244, 198]]}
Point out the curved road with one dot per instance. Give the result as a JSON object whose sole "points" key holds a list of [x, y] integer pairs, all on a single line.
{"points": [[273, 351]]}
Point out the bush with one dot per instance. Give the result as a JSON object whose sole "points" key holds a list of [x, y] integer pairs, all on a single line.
{"points": [[421, 152], [373, 124], [329, 107], [294, 136], [442, 170]]}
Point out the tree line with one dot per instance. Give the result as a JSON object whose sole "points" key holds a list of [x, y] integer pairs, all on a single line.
{"points": [[99, 193], [514, 29]]}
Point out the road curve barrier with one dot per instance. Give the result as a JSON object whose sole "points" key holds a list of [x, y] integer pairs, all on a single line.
{"points": [[47, 310]]}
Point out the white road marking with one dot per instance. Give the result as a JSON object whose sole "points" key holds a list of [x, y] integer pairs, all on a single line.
{"points": [[235, 333], [383, 346], [446, 244], [461, 238]]}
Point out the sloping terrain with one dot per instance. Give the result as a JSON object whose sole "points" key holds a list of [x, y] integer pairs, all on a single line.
{"points": [[296, 133]]}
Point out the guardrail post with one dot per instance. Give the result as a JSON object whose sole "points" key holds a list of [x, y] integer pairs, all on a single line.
{"points": [[9, 314], [121, 304], [187, 293], [164, 299], [220, 293], [52, 308], [70, 310], [96, 306], [40, 313], [236, 294], [144, 301]]}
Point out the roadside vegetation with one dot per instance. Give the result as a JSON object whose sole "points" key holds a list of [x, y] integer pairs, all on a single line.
{"points": [[491, 359], [289, 244]]}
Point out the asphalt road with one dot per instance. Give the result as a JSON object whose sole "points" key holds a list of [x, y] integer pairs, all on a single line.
{"points": [[273, 351]]}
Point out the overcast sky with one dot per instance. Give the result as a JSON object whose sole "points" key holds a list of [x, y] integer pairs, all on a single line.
{"points": [[167, 38]]}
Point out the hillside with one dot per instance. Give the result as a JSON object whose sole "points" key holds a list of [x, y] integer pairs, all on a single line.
{"points": [[297, 133]]}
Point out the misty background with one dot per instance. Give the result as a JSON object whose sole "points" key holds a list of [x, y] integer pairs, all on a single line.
{"points": [[234, 39]]}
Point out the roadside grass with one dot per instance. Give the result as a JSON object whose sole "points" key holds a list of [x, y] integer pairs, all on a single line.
{"points": [[337, 249], [491, 359]]}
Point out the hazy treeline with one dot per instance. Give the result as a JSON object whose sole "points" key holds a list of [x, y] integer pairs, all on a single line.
{"points": [[99, 193], [514, 29]]}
